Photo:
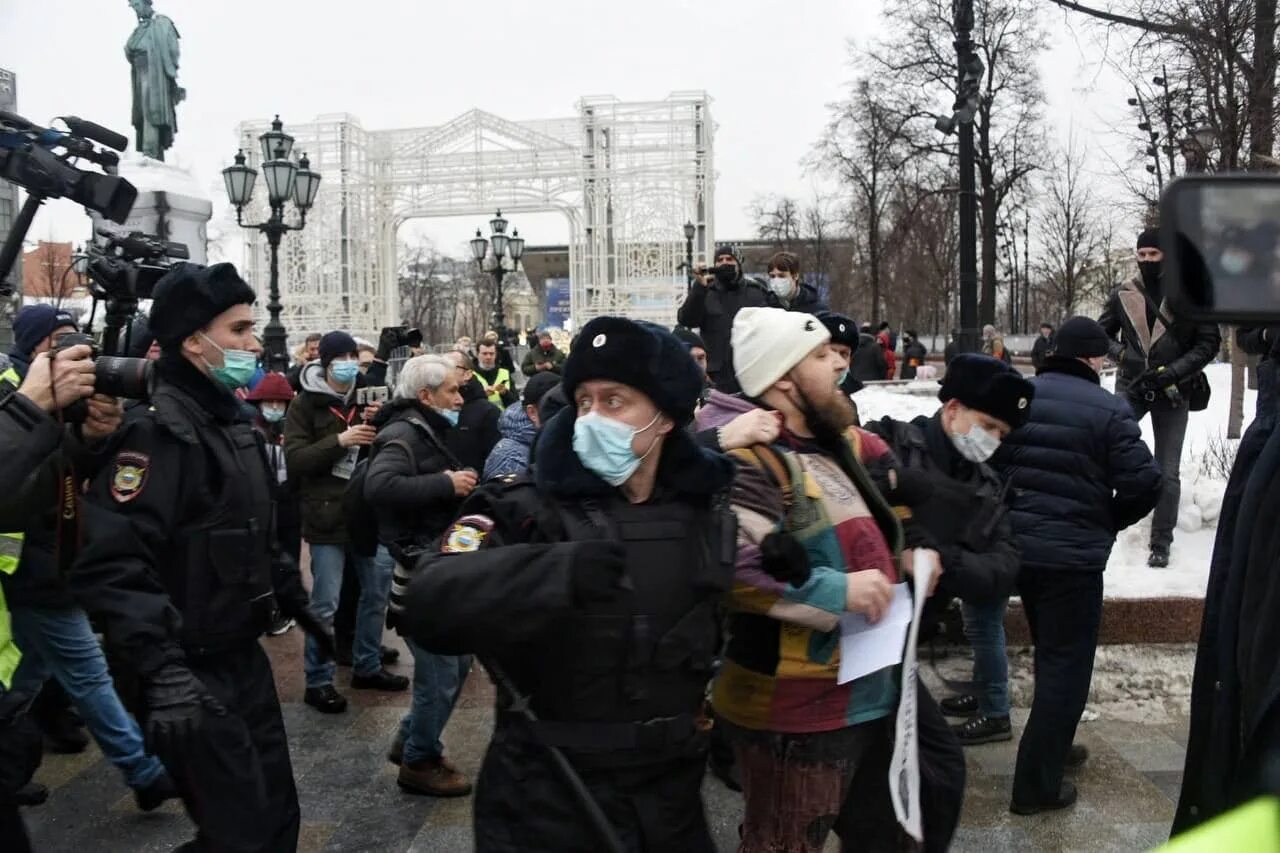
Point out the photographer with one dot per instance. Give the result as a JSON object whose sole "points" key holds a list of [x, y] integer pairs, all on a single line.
{"points": [[715, 296], [52, 631]]}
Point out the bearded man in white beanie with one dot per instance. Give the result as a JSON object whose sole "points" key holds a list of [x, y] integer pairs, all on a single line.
{"points": [[817, 538]]}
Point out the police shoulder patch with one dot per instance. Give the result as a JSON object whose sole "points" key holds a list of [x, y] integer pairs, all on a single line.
{"points": [[466, 534], [129, 476]]}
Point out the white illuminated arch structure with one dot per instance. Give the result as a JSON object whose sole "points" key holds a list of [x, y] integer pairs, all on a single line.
{"points": [[626, 176]]}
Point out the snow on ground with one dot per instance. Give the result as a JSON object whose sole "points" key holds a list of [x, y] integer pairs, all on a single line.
{"points": [[1128, 575]]}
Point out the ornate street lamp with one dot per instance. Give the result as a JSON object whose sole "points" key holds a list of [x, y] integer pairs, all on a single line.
{"points": [[286, 181], [501, 246], [689, 230]]}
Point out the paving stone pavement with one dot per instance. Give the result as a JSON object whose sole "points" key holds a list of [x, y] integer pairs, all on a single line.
{"points": [[350, 801]]}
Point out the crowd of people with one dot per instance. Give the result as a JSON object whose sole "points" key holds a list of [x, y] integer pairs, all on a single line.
{"points": [[648, 542]]}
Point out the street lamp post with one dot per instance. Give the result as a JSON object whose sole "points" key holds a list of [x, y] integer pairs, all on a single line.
{"points": [[501, 247], [285, 179], [689, 231]]}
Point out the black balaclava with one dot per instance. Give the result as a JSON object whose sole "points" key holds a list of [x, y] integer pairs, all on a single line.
{"points": [[1150, 239]]}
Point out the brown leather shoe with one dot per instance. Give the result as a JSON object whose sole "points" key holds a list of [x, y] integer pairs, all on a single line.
{"points": [[435, 777]]}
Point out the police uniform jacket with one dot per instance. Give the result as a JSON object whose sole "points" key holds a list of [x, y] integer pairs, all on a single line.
{"points": [[180, 555], [617, 684]]}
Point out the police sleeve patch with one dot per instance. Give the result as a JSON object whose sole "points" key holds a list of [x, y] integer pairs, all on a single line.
{"points": [[467, 534], [129, 476]]}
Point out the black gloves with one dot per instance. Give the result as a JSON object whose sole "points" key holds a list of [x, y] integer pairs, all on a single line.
{"points": [[598, 571], [1153, 382], [176, 701], [784, 559], [323, 637], [387, 341]]}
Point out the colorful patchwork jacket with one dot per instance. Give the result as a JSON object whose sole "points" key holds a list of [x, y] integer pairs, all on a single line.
{"points": [[783, 655]]}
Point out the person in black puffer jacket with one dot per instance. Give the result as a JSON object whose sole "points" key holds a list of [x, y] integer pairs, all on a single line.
{"points": [[787, 290], [967, 513], [416, 486], [1158, 361], [869, 363], [476, 432], [914, 354], [1079, 473]]}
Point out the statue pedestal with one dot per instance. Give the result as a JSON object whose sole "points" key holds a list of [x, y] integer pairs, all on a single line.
{"points": [[171, 205]]}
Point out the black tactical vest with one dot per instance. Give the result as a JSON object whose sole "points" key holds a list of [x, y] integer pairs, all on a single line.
{"points": [[624, 680], [219, 574]]}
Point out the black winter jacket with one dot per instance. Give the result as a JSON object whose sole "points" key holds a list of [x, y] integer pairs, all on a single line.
{"points": [[405, 482], [1079, 471], [1146, 344], [869, 363], [914, 355], [1040, 350], [964, 511], [807, 301], [710, 309], [31, 506], [477, 432]]}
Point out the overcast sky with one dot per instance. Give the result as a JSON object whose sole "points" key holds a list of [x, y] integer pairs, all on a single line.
{"points": [[770, 67]]}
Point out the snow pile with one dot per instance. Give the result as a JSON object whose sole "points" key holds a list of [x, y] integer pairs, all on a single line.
{"points": [[1128, 575]]}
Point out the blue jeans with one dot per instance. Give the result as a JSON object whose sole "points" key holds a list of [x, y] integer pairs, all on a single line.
{"points": [[984, 628], [437, 683], [60, 643], [326, 587]]}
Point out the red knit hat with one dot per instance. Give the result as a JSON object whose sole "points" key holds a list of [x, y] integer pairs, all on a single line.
{"points": [[272, 387]]}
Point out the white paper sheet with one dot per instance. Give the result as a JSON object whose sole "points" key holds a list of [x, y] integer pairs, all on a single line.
{"points": [[867, 648], [904, 766]]}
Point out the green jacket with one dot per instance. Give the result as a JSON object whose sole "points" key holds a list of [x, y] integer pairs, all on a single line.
{"points": [[535, 355]]}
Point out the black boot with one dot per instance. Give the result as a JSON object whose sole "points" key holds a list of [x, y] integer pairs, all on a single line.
{"points": [[1159, 557], [964, 705], [380, 680], [983, 730], [1066, 797]]}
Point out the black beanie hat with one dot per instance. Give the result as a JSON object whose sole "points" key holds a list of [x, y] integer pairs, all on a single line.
{"points": [[725, 250], [990, 386], [190, 296], [537, 387], [335, 344], [843, 330], [1081, 337], [689, 337], [639, 354], [1149, 239]]}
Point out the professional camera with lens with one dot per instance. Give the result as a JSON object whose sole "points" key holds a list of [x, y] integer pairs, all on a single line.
{"points": [[126, 267], [113, 376], [404, 336]]}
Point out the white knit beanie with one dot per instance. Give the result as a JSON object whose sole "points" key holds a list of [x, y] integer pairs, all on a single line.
{"points": [[768, 342]]}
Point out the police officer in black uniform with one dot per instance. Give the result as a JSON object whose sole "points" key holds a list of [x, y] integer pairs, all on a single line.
{"points": [[595, 586], [182, 569]]}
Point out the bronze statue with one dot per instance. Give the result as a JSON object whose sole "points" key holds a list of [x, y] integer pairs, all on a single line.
{"points": [[152, 52]]}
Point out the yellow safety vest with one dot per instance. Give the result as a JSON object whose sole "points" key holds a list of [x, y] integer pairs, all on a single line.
{"points": [[1253, 827], [10, 555], [504, 376]]}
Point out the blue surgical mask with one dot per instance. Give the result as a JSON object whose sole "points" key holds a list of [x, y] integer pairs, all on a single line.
{"points": [[345, 372], [450, 415], [604, 447], [844, 374], [273, 416], [238, 366]]}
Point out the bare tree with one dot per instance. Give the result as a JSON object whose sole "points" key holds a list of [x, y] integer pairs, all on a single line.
{"points": [[778, 219], [1071, 234], [917, 62], [867, 148]]}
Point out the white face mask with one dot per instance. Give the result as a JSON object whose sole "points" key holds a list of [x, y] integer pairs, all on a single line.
{"points": [[976, 445], [782, 286]]}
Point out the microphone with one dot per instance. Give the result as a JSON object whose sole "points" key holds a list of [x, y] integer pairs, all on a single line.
{"points": [[96, 132]]}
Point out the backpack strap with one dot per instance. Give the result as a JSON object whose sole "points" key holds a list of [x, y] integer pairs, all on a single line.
{"points": [[425, 428]]}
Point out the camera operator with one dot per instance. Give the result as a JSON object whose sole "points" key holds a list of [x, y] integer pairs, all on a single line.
{"points": [[714, 298], [28, 435], [53, 632]]}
